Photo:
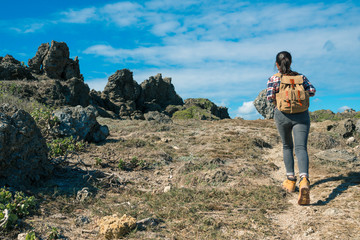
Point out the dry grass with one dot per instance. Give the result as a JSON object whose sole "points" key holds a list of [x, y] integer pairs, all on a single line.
{"points": [[222, 184]]}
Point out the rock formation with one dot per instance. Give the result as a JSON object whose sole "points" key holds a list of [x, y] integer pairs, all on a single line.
{"points": [[344, 128], [80, 123], [158, 93], [59, 83], [12, 69], [54, 61], [123, 92], [199, 108], [23, 150], [263, 106]]}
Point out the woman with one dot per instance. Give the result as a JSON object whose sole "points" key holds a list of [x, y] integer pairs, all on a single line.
{"points": [[297, 124]]}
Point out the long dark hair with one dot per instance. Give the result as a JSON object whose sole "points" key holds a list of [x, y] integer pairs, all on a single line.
{"points": [[284, 60]]}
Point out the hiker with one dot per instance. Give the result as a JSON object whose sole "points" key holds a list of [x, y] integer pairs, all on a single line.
{"points": [[289, 91]]}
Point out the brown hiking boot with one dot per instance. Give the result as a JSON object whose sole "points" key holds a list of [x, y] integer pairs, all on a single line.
{"points": [[289, 185], [304, 191]]}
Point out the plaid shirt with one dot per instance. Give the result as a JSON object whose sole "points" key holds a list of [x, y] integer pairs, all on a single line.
{"points": [[274, 83]]}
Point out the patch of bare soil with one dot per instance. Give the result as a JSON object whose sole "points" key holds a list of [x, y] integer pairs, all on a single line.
{"points": [[196, 180]]}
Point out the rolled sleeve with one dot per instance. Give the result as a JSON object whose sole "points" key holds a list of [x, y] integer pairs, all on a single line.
{"points": [[272, 88], [309, 87]]}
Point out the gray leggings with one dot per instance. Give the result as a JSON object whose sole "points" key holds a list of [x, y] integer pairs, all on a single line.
{"points": [[299, 125]]}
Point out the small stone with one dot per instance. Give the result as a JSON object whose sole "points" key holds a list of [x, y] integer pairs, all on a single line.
{"points": [[147, 222], [167, 189], [81, 220], [331, 212], [21, 236], [350, 140], [309, 231]]}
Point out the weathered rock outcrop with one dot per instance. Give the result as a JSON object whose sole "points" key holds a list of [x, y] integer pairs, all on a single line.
{"points": [[158, 93], [345, 128], [199, 108], [80, 123], [51, 92], [23, 150], [36, 63], [336, 156], [123, 92], [54, 61], [12, 69], [263, 106], [59, 83]]}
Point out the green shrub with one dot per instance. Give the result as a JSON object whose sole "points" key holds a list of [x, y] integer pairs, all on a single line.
{"points": [[121, 165], [54, 234], [44, 118], [31, 236], [17, 206], [98, 161], [61, 146]]}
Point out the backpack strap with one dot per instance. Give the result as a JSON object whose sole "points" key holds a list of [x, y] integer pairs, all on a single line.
{"points": [[278, 75]]}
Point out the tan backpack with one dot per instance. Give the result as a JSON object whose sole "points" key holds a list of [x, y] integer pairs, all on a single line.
{"points": [[292, 97]]}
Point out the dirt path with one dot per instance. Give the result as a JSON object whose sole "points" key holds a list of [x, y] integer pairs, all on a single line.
{"points": [[334, 211]]}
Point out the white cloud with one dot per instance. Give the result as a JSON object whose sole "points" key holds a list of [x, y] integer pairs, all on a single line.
{"points": [[162, 29], [343, 108], [28, 28], [248, 111], [122, 13], [164, 5], [80, 16]]}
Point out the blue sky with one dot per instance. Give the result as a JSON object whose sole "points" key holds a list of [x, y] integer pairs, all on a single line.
{"points": [[221, 50]]}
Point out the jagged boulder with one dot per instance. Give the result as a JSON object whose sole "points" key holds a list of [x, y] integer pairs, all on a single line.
{"points": [[263, 106], [80, 123], [12, 69], [54, 61], [122, 91], [23, 150], [158, 93], [344, 128], [199, 108], [36, 63], [103, 105]]}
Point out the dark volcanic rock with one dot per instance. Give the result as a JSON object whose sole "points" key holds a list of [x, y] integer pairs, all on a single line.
{"points": [[158, 93], [11, 69], [51, 92], [263, 106], [54, 61], [23, 150], [36, 63], [80, 123], [121, 87], [122, 91]]}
